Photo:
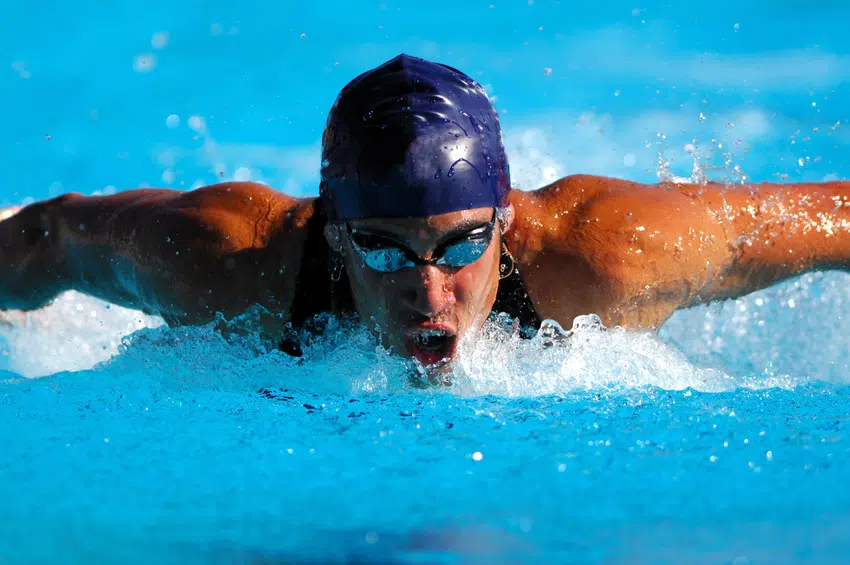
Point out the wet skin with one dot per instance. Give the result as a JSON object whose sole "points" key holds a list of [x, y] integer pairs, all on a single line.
{"points": [[629, 252]]}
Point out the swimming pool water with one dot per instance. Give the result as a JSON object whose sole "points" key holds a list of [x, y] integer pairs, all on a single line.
{"points": [[621, 449]]}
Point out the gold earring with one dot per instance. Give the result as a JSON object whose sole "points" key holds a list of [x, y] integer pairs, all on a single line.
{"points": [[506, 270]]}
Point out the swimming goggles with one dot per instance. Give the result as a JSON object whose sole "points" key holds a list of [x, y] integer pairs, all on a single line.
{"points": [[387, 256]]}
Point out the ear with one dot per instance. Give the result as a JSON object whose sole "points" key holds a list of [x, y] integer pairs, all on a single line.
{"points": [[333, 235]]}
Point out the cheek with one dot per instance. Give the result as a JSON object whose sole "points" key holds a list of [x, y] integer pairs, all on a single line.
{"points": [[369, 289], [475, 285]]}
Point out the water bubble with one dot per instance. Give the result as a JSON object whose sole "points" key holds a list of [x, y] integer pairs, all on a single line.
{"points": [[159, 40], [197, 123], [547, 71], [800, 162], [477, 456], [303, 35], [242, 174], [172, 121], [736, 27], [20, 68], [144, 63]]}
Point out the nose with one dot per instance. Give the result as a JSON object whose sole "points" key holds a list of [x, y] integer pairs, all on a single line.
{"points": [[429, 291]]}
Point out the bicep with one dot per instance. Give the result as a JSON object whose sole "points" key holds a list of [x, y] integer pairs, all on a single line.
{"points": [[659, 247]]}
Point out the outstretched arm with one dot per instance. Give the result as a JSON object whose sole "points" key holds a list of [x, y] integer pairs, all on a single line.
{"points": [[182, 255], [776, 231], [635, 253]]}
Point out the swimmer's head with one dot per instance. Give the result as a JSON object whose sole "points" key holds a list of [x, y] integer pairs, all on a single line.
{"points": [[415, 184]]}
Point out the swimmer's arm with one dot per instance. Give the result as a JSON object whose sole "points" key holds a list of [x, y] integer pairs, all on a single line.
{"points": [[634, 253], [182, 255], [776, 231]]}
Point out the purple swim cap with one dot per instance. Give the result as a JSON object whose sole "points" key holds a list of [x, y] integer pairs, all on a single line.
{"points": [[409, 139]]}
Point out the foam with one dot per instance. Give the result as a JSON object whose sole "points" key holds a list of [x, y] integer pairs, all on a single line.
{"points": [[347, 360], [74, 333]]}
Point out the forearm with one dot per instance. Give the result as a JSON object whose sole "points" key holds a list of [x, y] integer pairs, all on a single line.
{"points": [[777, 231], [62, 244]]}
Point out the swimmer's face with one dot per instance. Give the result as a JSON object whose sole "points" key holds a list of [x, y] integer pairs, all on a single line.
{"points": [[422, 311]]}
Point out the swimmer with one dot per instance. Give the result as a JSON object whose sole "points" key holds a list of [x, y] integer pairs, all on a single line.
{"points": [[418, 231]]}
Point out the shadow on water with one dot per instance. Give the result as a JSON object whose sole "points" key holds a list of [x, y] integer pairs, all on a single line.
{"points": [[437, 546]]}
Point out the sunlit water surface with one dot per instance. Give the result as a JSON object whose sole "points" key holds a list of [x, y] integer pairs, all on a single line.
{"points": [[720, 440]]}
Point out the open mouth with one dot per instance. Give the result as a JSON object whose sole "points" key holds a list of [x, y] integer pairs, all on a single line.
{"points": [[431, 345]]}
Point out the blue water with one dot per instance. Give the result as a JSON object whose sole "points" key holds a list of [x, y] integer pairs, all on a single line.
{"points": [[719, 440]]}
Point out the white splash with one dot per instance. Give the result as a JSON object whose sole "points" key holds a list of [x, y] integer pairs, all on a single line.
{"points": [[78, 332], [74, 333]]}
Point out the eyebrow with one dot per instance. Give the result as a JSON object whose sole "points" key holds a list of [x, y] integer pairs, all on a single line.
{"points": [[464, 227]]}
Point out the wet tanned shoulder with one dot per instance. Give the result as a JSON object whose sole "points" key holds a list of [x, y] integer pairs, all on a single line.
{"points": [[630, 252]]}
